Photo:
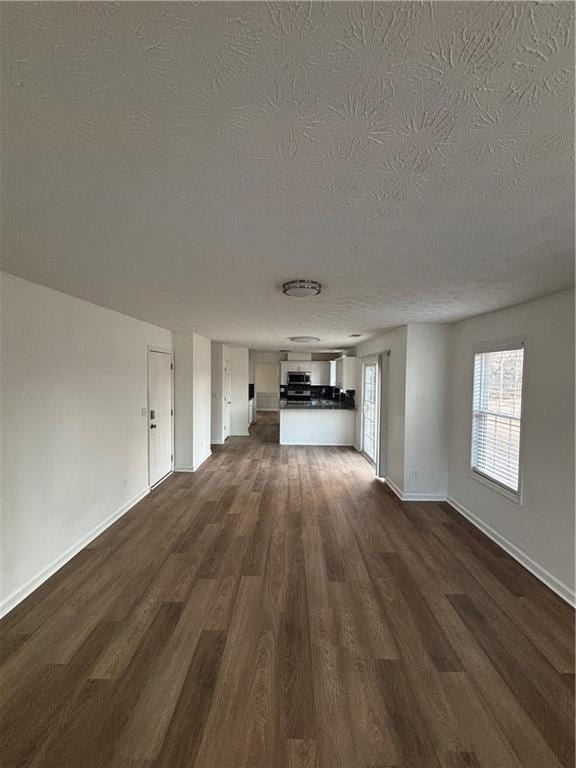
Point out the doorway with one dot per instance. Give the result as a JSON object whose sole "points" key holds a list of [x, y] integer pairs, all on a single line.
{"points": [[160, 415], [267, 386], [370, 410]]}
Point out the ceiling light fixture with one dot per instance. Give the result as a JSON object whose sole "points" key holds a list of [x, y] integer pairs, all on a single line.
{"points": [[301, 288], [304, 339]]}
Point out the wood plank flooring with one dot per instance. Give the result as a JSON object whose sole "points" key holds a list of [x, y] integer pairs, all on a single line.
{"points": [[280, 608]]}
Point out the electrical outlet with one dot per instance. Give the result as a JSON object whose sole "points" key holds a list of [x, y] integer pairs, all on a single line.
{"points": [[414, 474]]}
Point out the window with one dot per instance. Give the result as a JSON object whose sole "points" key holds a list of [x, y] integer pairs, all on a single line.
{"points": [[497, 414]]}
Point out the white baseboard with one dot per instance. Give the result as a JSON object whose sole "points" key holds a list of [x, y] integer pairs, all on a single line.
{"points": [[196, 466], [323, 445], [423, 497], [240, 434], [20, 594], [393, 487], [557, 586], [553, 583], [427, 496]]}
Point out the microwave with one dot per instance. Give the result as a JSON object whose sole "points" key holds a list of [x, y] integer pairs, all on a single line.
{"points": [[298, 377]]}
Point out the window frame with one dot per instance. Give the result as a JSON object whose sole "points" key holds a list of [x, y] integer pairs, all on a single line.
{"points": [[515, 342]]}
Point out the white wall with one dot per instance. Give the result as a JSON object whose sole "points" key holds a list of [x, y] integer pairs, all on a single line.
{"points": [[216, 391], [183, 401], [74, 440], [542, 527], [192, 389], [393, 341], [239, 414], [267, 377], [426, 419], [201, 420], [254, 356]]}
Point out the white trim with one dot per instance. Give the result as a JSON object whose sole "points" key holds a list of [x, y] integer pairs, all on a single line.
{"points": [[212, 442], [20, 594], [548, 579], [239, 434], [499, 345], [517, 342], [413, 496], [159, 482], [553, 583], [393, 487], [327, 445], [513, 496], [424, 496], [196, 466]]}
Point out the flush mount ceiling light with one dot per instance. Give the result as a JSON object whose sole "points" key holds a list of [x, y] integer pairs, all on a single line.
{"points": [[301, 288], [304, 339]]}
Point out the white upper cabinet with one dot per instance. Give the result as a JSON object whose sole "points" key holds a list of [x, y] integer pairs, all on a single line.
{"points": [[320, 374], [345, 370], [289, 366], [320, 371]]}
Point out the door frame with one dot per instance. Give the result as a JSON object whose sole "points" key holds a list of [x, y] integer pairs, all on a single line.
{"points": [[170, 353], [371, 360], [384, 385], [229, 403]]}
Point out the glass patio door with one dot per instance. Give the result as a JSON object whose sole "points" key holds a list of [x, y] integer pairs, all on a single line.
{"points": [[370, 410]]}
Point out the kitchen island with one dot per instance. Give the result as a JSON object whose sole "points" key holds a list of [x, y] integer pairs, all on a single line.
{"points": [[317, 422]]}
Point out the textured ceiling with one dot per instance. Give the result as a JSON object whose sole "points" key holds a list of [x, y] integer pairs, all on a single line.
{"points": [[178, 161]]}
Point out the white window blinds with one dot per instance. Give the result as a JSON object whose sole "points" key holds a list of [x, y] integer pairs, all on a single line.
{"points": [[497, 413]]}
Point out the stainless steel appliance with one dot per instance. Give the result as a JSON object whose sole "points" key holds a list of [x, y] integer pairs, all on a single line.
{"points": [[298, 377], [299, 392]]}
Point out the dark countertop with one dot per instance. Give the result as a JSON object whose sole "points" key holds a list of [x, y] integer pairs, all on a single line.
{"points": [[316, 405]]}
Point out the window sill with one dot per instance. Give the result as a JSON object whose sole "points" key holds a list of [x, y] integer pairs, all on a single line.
{"points": [[495, 486]]}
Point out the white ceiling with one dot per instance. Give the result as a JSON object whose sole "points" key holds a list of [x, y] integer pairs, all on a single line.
{"points": [[179, 161]]}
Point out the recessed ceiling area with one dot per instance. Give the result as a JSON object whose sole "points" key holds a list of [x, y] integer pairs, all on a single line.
{"points": [[179, 162]]}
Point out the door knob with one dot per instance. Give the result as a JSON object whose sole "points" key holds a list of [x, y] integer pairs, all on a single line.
{"points": [[153, 426]]}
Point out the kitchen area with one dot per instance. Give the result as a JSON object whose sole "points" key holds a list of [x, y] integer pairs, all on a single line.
{"points": [[316, 401]]}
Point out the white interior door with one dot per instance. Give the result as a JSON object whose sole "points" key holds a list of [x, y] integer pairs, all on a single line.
{"points": [[226, 398], [370, 410], [159, 415]]}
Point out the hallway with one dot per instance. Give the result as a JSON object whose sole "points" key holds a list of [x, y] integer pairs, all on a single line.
{"points": [[280, 608]]}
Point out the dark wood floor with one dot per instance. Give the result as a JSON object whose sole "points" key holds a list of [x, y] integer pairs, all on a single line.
{"points": [[280, 608]]}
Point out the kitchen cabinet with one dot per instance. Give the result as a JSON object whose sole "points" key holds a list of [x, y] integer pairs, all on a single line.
{"points": [[301, 366], [309, 426], [320, 374], [346, 372], [332, 373], [284, 373]]}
